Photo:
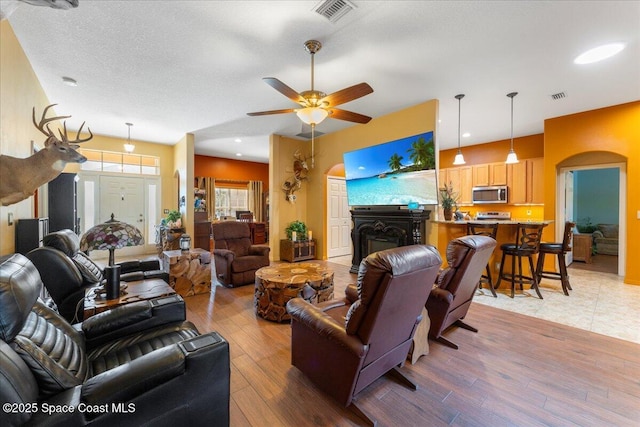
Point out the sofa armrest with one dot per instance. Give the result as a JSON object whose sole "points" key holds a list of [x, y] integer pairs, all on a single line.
{"points": [[225, 254], [131, 318], [351, 293], [441, 295], [261, 250], [189, 382], [324, 325], [597, 234]]}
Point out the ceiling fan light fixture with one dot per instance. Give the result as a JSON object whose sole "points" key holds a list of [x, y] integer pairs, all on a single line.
{"points": [[312, 115]]}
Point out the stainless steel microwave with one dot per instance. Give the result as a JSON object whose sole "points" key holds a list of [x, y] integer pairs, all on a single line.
{"points": [[491, 194]]}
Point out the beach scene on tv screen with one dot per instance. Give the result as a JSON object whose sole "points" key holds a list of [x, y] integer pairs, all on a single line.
{"points": [[394, 173]]}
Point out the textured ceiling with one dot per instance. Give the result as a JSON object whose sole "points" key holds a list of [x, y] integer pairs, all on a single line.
{"points": [[172, 67]]}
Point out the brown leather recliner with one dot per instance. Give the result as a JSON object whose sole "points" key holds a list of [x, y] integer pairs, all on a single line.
{"points": [[236, 259], [456, 285], [345, 345]]}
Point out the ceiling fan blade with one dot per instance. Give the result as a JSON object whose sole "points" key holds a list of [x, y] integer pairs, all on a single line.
{"points": [[265, 113], [350, 116], [285, 90], [347, 94]]}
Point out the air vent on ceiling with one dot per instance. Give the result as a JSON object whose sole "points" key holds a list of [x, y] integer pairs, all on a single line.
{"points": [[333, 10], [558, 95]]}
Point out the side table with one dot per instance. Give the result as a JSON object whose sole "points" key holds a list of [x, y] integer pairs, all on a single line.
{"points": [[189, 272], [300, 250], [140, 290], [582, 247]]}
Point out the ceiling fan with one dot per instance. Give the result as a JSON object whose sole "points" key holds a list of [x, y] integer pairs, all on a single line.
{"points": [[316, 105]]}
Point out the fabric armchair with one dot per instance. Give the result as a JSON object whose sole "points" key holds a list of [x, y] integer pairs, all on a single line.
{"points": [[345, 345], [236, 259], [140, 364], [451, 296]]}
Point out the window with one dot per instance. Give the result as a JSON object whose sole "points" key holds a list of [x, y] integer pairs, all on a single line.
{"points": [[108, 161], [230, 200]]}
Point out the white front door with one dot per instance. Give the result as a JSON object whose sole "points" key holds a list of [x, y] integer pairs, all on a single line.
{"points": [[339, 218], [124, 198]]}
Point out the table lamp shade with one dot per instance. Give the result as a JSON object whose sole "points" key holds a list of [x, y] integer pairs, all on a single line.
{"points": [[111, 235]]}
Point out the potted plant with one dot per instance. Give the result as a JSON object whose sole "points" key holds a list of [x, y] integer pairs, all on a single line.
{"points": [[297, 227], [448, 200], [173, 220]]}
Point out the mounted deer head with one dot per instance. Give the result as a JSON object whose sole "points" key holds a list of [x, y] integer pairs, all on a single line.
{"points": [[19, 178]]}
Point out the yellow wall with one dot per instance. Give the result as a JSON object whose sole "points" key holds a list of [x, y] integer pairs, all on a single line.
{"points": [[183, 155], [613, 129], [21, 91], [311, 204]]}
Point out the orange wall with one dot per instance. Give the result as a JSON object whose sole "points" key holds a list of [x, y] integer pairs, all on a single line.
{"points": [[219, 168], [613, 129], [526, 147]]}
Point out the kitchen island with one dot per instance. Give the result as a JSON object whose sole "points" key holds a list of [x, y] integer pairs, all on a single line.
{"points": [[449, 230]]}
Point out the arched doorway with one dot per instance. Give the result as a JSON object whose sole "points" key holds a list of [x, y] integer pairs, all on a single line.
{"points": [[593, 161]]}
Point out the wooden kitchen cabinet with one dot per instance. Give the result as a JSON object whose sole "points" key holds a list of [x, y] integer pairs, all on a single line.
{"points": [[526, 181], [489, 174], [461, 179]]}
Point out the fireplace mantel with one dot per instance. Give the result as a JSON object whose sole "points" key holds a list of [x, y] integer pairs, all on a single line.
{"points": [[375, 229]]}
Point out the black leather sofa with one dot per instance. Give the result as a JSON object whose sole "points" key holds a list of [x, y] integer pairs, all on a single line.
{"points": [[66, 272], [138, 364]]}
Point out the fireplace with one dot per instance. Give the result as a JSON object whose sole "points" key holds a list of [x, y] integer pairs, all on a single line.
{"points": [[376, 229]]}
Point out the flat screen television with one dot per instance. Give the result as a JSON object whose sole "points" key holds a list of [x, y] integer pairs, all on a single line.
{"points": [[394, 173]]}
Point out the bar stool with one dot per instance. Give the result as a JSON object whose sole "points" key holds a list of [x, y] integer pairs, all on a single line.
{"points": [[559, 249], [490, 230], [527, 245]]}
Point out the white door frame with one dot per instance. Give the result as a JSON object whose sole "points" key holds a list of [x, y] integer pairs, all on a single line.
{"points": [[622, 205]]}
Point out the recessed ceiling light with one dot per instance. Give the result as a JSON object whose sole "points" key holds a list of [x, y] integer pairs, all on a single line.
{"points": [[69, 81], [466, 135], [239, 154], [599, 53], [237, 140]]}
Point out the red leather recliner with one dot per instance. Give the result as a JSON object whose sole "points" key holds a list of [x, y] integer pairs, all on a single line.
{"points": [[345, 345], [456, 285]]}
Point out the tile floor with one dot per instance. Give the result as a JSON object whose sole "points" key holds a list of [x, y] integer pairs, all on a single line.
{"points": [[599, 302]]}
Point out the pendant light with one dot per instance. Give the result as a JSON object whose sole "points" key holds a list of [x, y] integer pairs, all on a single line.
{"points": [[129, 147], [511, 157], [459, 159]]}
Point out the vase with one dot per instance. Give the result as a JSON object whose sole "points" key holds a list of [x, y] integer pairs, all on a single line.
{"points": [[448, 214]]}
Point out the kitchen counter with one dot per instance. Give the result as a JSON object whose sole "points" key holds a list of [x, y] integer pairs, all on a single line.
{"points": [[514, 221]]}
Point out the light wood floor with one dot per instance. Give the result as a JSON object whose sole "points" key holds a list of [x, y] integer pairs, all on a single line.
{"points": [[517, 371]]}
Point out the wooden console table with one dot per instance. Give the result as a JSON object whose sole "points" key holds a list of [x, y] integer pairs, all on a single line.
{"points": [[582, 247], [299, 250]]}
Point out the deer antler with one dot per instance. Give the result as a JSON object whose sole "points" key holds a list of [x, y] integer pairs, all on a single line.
{"points": [[44, 121], [77, 140], [43, 126]]}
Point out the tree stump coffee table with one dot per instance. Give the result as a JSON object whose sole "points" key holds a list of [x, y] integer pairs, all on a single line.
{"points": [[277, 284]]}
